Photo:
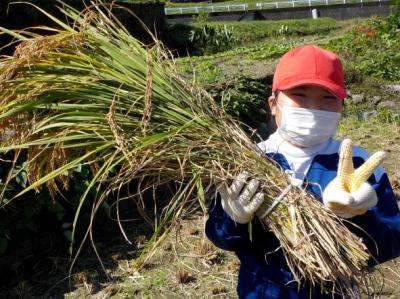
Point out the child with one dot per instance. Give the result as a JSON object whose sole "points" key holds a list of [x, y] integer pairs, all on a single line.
{"points": [[307, 101]]}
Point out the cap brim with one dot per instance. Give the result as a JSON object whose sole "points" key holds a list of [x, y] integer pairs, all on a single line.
{"points": [[335, 89]]}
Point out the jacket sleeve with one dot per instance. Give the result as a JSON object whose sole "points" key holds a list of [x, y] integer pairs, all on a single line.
{"points": [[380, 226]]}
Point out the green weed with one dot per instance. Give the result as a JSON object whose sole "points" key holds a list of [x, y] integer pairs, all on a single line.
{"points": [[372, 48], [209, 40]]}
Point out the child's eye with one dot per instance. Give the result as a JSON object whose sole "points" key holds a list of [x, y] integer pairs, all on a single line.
{"points": [[299, 94], [330, 97]]}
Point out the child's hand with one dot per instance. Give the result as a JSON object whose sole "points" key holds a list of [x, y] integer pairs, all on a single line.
{"points": [[240, 200], [345, 204], [349, 194]]}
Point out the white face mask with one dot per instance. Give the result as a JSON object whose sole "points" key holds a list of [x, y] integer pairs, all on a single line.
{"points": [[307, 127]]}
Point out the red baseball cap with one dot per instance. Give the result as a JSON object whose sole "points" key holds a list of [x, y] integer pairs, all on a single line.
{"points": [[310, 65]]}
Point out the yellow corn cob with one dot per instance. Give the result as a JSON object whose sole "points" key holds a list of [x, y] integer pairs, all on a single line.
{"points": [[361, 174], [345, 166], [349, 179]]}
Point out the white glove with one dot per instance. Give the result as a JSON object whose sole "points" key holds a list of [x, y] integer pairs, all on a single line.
{"points": [[347, 205], [240, 200], [349, 194]]}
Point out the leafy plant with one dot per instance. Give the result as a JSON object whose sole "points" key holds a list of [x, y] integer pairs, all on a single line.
{"points": [[210, 40], [372, 48], [388, 116], [207, 73], [243, 98]]}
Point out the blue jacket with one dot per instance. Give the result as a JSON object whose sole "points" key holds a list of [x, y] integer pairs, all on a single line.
{"points": [[264, 272]]}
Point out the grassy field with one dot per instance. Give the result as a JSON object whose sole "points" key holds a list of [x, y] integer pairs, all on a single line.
{"points": [[257, 47], [186, 264]]}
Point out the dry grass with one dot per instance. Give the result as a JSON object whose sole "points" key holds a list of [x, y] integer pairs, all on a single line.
{"points": [[395, 180], [187, 266], [185, 250], [182, 257]]}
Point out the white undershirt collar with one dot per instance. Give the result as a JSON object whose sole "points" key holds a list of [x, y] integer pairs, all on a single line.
{"points": [[299, 159]]}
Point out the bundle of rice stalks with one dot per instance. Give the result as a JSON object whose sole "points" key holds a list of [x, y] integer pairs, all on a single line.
{"points": [[92, 94]]}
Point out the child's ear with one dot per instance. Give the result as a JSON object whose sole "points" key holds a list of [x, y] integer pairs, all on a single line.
{"points": [[272, 104]]}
